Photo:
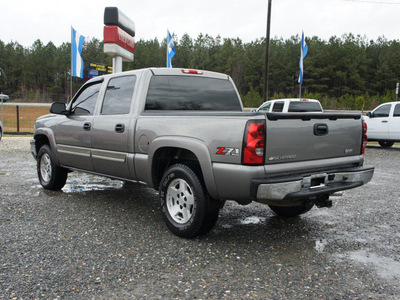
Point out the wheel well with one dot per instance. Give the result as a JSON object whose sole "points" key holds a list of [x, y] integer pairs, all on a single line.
{"points": [[166, 157], [41, 140]]}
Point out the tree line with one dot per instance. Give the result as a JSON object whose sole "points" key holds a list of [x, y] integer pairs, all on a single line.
{"points": [[347, 72]]}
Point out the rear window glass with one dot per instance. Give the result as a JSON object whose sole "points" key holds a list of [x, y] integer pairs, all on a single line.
{"points": [[278, 107], [191, 93], [304, 106], [118, 96]]}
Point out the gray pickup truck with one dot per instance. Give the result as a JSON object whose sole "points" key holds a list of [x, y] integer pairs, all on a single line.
{"points": [[184, 133]]}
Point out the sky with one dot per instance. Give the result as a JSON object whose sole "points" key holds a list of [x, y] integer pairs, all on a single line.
{"points": [[25, 21]]}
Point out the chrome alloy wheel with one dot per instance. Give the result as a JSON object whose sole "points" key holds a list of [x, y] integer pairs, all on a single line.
{"points": [[180, 201], [45, 167]]}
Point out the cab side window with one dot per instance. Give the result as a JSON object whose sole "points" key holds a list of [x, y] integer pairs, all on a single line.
{"points": [[265, 107], [118, 97], [396, 111], [382, 111], [278, 106], [85, 102]]}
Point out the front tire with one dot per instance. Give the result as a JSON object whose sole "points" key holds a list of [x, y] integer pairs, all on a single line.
{"points": [[188, 210], [51, 176]]}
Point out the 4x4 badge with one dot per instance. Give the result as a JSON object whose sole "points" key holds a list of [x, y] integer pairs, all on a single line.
{"points": [[228, 151]]}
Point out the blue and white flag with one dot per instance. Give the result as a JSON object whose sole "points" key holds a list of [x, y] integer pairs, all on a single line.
{"points": [[170, 50], [77, 46], [304, 50]]}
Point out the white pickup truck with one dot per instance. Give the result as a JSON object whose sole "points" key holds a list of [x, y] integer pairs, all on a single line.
{"points": [[384, 124], [294, 105]]}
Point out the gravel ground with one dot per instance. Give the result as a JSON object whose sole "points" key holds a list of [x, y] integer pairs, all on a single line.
{"points": [[102, 239]]}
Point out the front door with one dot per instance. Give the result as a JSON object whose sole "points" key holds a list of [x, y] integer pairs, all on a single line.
{"points": [[378, 124], [73, 135]]}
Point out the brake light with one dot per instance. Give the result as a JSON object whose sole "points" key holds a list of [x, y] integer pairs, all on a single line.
{"points": [[254, 143], [364, 137], [189, 71]]}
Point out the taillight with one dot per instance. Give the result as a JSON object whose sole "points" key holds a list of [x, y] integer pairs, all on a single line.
{"points": [[364, 137], [254, 143]]}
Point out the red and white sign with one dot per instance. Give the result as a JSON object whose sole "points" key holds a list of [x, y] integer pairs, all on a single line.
{"points": [[115, 35]]}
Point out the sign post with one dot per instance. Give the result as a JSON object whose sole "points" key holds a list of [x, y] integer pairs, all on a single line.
{"points": [[119, 37]]}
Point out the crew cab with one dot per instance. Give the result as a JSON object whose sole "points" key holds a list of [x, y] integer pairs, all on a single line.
{"points": [[184, 133], [384, 124], [291, 105]]}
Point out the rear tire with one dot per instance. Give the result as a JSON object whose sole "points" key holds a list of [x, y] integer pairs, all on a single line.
{"points": [[51, 176], [187, 209], [386, 144], [292, 211]]}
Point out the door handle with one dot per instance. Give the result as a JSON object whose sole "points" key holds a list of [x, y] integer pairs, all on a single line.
{"points": [[384, 121], [321, 129], [87, 127], [119, 128]]}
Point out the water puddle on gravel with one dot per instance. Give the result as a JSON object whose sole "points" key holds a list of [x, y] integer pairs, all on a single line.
{"points": [[91, 184], [253, 220], [386, 267], [320, 245]]}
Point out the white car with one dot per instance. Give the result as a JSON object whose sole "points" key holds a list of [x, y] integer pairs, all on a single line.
{"points": [[294, 105], [383, 124], [4, 98]]}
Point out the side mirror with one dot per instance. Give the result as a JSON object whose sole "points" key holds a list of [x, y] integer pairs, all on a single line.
{"points": [[58, 108], [369, 114]]}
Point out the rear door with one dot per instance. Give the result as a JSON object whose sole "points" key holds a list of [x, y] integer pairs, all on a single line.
{"points": [[394, 123], [113, 129]]}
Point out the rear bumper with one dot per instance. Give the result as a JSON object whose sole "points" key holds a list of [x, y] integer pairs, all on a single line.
{"points": [[285, 188]]}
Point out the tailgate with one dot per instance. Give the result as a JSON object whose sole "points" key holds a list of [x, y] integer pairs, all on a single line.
{"points": [[292, 137]]}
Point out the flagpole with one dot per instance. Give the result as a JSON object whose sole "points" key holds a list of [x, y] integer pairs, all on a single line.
{"points": [[167, 48], [70, 96]]}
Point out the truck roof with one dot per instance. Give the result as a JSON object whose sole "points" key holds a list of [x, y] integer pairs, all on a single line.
{"points": [[168, 71]]}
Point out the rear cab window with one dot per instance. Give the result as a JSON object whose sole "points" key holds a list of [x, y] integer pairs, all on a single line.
{"points": [[169, 92], [304, 106]]}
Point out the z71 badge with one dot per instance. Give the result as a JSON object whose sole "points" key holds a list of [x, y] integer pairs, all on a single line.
{"points": [[228, 151]]}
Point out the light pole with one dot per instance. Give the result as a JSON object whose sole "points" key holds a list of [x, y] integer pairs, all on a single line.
{"points": [[5, 79], [266, 67]]}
